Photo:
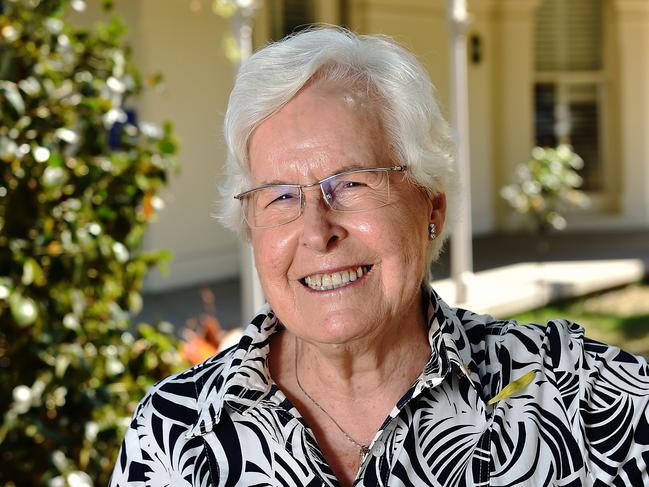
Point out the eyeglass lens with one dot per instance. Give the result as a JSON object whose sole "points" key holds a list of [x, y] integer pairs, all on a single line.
{"points": [[351, 191]]}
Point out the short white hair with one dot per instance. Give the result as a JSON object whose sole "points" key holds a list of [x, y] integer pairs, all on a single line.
{"points": [[414, 126]]}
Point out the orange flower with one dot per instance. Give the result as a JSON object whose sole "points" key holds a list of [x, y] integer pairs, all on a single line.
{"points": [[148, 206], [197, 349]]}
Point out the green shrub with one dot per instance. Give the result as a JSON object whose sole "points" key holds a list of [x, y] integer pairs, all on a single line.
{"points": [[79, 186], [545, 186]]}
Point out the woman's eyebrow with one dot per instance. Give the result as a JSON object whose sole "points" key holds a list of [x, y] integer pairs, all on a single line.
{"points": [[275, 182], [345, 168]]}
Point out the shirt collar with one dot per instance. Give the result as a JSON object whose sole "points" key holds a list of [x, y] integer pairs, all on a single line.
{"points": [[451, 350], [449, 340], [239, 378], [236, 378]]}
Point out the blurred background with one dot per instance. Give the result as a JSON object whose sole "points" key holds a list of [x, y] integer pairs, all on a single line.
{"points": [[539, 72]]}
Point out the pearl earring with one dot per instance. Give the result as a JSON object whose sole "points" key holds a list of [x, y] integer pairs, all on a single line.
{"points": [[432, 231]]}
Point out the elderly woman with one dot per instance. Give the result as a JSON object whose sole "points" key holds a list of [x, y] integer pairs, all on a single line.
{"points": [[340, 173]]}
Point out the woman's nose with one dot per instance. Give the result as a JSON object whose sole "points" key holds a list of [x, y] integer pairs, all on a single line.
{"points": [[320, 229]]}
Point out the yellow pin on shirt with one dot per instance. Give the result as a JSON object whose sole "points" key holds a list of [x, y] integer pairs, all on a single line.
{"points": [[513, 387]]}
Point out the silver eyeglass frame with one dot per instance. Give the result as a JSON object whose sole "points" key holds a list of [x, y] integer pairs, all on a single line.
{"points": [[325, 196]]}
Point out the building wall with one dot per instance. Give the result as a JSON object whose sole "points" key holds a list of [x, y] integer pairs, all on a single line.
{"points": [[186, 48]]}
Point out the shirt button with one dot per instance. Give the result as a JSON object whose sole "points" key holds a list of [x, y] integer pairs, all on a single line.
{"points": [[378, 449]]}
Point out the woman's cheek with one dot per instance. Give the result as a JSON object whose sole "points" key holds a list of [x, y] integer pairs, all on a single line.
{"points": [[273, 255], [371, 230]]}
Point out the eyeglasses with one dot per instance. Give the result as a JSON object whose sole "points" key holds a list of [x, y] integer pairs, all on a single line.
{"points": [[273, 205]]}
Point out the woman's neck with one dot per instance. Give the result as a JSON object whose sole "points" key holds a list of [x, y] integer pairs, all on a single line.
{"points": [[390, 358], [348, 390], [354, 370]]}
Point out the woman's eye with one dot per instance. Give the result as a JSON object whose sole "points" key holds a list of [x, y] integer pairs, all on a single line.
{"points": [[350, 184], [281, 198]]}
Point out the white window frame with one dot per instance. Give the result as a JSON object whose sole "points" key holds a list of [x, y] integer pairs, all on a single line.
{"points": [[603, 199]]}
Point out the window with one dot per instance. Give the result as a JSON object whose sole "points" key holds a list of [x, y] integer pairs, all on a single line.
{"points": [[570, 89]]}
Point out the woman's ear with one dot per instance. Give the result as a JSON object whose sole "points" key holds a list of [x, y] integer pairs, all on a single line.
{"points": [[438, 211]]}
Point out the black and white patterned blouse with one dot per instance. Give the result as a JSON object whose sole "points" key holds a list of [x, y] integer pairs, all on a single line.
{"points": [[497, 404]]}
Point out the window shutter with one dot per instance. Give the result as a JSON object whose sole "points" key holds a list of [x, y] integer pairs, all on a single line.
{"points": [[569, 35]]}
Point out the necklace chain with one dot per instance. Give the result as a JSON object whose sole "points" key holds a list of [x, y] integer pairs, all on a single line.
{"points": [[364, 449]]}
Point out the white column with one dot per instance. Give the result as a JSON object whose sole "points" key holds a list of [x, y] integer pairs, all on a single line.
{"points": [[252, 295], [632, 28], [462, 238]]}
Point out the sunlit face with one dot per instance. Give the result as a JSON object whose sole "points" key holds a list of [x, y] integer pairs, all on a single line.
{"points": [[323, 131]]}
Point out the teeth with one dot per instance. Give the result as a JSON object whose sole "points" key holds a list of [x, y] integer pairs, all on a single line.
{"points": [[337, 278], [324, 282]]}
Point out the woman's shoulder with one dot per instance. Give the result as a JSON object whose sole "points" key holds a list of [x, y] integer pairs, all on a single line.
{"points": [[177, 397], [195, 397], [558, 344], [551, 336]]}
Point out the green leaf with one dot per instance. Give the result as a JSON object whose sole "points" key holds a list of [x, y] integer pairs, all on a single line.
{"points": [[13, 96], [32, 273], [167, 146], [23, 309], [134, 302], [66, 292]]}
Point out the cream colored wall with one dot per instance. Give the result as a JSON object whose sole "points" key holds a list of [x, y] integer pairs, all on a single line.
{"points": [[513, 81], [186, 48], [421, 25], [482, 106]]}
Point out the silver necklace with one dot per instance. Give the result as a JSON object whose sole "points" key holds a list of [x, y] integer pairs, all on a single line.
{"points": [[363, 449]]}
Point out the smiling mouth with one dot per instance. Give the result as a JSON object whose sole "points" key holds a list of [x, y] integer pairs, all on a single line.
{"points": [[335, 280]]}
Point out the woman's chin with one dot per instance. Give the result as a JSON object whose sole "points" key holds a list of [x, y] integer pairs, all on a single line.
{"points": [[342, 327]]}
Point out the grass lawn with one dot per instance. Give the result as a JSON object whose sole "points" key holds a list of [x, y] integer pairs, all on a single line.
{"points": [[618, 317]]}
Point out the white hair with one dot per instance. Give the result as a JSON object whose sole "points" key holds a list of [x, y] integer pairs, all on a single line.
{"points": [[414, 125]]}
